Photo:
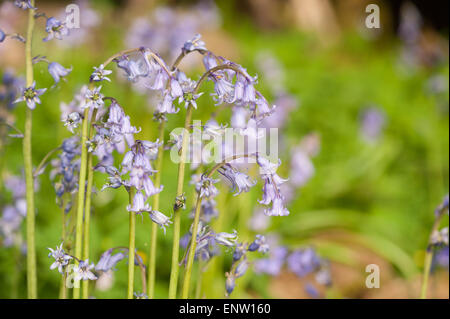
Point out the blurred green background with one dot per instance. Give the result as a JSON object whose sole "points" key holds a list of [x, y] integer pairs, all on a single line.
{"points": [[368, 202]]}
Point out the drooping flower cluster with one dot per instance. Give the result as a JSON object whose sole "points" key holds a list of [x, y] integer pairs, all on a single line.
{"points": [[65, 172], [241, 263]]}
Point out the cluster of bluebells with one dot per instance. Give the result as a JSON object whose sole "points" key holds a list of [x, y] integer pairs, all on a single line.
{"points": [[241, 263], [83, 269], [302, 262], [65, 171], [14, 213]]}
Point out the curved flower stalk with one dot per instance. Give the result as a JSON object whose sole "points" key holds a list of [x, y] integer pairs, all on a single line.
{"points": [[438, 238]]}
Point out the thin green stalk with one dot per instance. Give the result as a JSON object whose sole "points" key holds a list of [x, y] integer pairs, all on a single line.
{"points": [[154, 235], [192, 248], [87, 208], [87, 221], [177, 214], [429, 259], [131, 246], [28, 166], [81, 195]]}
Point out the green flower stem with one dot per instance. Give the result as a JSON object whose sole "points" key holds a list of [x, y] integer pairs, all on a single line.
{"points": [[28, 166], [87, 208], [81, 195], [429, 259], [190, 260], [154, 235], [177, 214], [131, 246], [198, 288], [192, 248]]}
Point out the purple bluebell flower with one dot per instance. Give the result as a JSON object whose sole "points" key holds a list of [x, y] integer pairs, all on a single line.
{"points": [[139, 205], [230, 283], [240, 181], [160, 219], [443, 207], [188, 88], [302, 168], [205, 187], [61, 258], [108, 261], [165, 105], [10, 223], [94, 99], [259, 244], [442, 258], [72, 121], [303, 261], [83, 271], [226, 239], [55, 29], [239, 252], [114, 179], [274, 263], [241, 268], [57, 71], [209, 210], [100, 74], [2, 36], [24, 4], [195, 44], [31, 96], [439, 237]]}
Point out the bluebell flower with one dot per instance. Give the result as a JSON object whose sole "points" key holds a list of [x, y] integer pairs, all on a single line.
{"points": [[100, 74], [82, 271], [274, 263], [303, 261], [239, 252], [259, 244], [194, 44], [443, 207], [240, 181], [372, 121], [241, 268], [24, 4], [226, 239], [2, 36], [134, 69], [55, 29], [57, 71], [31, 96], [160, 219], [61, 258], [166, 105], [138, 205], [205, 187], [72, 121], [230, 283], [94, 99], [108, 261]]}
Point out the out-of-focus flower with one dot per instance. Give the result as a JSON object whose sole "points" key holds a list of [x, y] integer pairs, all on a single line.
{"points": [[24, 4], [274, 263], [108, 261], [373, 121], [55, 29], [57, 71], [303, 261]]}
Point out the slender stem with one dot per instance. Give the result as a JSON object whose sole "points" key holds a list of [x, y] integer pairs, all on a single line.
{"points": [[87, 208], [87, 220], [44, 161], [191, 255], [177, 214], [429, 259], [190, 260], [131, 246], [154, 235], [81, 194], [212, 70], [143, 274], [28, 165]]}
